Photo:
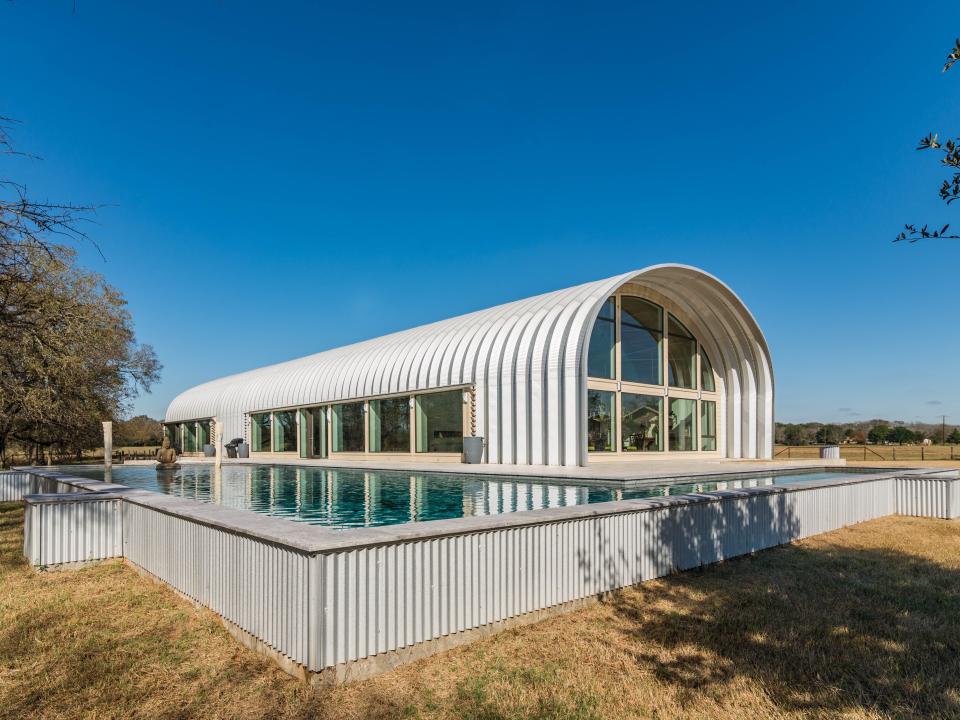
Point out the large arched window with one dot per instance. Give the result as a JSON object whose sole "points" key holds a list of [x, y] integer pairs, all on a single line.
{"points": [[641, 340], [683, 356], [633, 405], [600, 358]]}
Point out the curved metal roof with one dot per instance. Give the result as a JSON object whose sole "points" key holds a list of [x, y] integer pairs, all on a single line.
{"points": [[526, 360]]}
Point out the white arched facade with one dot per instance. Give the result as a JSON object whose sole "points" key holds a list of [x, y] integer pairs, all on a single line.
{"points": [[522, 367]]}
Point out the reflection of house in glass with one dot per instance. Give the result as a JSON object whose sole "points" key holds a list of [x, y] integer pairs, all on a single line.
{"points": [[661, 362]]}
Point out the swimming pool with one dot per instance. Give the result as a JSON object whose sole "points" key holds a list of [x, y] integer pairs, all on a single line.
{"points": [[342, 499]]}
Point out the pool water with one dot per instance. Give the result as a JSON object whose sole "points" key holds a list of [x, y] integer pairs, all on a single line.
{"points": [[360, 498]]}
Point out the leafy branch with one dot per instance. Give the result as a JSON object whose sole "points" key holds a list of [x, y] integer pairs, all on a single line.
{"points": [[950, 189], [911, 234], [953, 56]]}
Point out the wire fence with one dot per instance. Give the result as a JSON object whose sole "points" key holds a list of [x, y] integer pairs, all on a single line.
{"points": [[921, 453]]}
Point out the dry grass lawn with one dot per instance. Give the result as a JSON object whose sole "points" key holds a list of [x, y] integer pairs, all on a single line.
{"points": [[859, 623]]}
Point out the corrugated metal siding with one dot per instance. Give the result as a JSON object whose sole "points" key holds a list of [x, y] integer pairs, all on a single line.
{"points": [[69, 532], [390, 597], [261, 587], [31, 550], [928, 497], [527, 361], [14, 486]]}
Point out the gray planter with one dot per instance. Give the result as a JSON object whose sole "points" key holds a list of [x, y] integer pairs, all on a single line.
{"points": [[243, 450], [209, 451], [473, 450]]}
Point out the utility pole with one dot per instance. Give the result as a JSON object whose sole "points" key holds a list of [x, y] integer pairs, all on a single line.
{"points": [[943, 429]]}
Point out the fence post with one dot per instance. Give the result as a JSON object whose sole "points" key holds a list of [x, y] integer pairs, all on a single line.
{"points": [[864, 453], [921, 453], [894, 453]]}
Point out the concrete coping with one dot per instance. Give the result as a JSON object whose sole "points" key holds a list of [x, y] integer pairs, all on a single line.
{"points": [[312, 539], [73, 497]]}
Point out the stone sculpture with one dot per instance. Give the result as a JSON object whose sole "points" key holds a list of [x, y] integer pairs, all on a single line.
{"points": [[166, 455]]}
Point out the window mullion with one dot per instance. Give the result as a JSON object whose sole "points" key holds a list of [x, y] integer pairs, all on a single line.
{"points": [[618, 340], [696, 379]]}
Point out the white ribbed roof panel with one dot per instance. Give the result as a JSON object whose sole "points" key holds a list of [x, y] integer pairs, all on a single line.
{"points": [[527, 361]]}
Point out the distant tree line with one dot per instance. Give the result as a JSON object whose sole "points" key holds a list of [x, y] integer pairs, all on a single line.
{"points": [[874, 432]]}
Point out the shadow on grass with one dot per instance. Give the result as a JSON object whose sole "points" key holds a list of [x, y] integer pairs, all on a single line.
{"points": [[829, 629], [820, 627]]}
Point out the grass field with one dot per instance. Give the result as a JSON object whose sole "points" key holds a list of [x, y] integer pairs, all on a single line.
{"points": [[860, 623]]}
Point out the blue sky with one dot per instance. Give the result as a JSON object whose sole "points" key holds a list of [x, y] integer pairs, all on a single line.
{"points": [[284, 178]]}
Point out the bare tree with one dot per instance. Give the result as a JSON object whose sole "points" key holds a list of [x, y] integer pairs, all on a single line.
{"points": [[68, 354], [27, 223], [29, 229]]}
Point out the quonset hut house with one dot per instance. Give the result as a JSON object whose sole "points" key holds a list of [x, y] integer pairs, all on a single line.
{"points": [[662, 362]]}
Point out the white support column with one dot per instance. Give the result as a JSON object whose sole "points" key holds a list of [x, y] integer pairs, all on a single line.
{"points": [[217, 432], [107, 443]]}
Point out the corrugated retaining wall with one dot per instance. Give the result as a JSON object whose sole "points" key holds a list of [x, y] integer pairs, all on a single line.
{"points": [[72, 528], [325, 598], [15, 485]]}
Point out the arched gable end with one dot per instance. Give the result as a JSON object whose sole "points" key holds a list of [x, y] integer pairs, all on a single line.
{"points": [[732, 338]]}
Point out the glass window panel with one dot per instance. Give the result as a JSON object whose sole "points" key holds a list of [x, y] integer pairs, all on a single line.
{"points": [[708, 425], [601, 421], [706, 373], [318, 432], [390, 425], [285, 431], [189, 437], [260, 430], [640, 420], [348, 428], [683, 355], [683, 424], [600, 357], [304, 429], [641, 333], [440, 422], [203, 433]]}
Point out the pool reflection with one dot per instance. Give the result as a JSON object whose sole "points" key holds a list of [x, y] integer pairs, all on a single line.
{"points": [[357, 498]]}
